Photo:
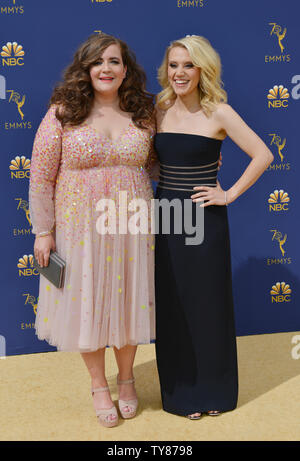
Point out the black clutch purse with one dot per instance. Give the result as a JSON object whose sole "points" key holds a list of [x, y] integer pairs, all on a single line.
{"points": [[55, 271]]}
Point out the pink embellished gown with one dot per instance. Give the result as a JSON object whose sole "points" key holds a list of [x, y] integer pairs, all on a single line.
{"points": [[108, 294]]}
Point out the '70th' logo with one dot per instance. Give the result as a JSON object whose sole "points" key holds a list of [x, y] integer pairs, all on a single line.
{"points": [[280, 34]]}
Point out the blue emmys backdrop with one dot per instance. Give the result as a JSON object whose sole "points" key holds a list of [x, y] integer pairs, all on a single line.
{"points": [[258, 42]]}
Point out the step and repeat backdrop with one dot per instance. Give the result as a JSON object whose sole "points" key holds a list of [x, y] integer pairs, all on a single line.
{"points": [[258, 42]]}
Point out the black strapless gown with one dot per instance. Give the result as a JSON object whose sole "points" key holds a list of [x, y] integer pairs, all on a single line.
{"points": [[195, 330]]}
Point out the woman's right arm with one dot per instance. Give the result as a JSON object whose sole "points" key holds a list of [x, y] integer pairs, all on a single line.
{"points": [[45, 162]]}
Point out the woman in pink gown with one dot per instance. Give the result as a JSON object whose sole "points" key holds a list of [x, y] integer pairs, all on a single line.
{"points": [[94, 142]]}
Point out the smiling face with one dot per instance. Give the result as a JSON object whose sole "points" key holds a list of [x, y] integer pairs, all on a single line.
{"points": [[183, 76], [108, 73]]}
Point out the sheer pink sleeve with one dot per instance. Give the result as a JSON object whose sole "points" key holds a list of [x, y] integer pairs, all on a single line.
{"points": [[152, 164], [45, 162]]}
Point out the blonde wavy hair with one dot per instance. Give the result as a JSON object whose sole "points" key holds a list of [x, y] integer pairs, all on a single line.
{"points": [[204, 56]]}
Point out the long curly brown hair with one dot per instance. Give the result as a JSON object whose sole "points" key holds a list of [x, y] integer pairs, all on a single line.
{"points": [[74, 96]]}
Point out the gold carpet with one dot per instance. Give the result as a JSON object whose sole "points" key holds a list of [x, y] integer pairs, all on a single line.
{"points": [[46, 397]]}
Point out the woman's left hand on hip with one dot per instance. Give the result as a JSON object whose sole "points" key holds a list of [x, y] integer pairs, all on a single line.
{"points": [[212, 195]]}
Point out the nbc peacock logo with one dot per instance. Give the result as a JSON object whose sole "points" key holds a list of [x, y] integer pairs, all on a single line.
{"points": [[280, 293], [12, 54], [279, 201], [278, 97], [20, 167], [25, 266]]}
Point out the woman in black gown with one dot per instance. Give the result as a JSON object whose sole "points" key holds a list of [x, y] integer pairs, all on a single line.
{"points": [[195, 330]]}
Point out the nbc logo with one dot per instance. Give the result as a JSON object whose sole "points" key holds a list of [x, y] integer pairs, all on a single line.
{"points": [[20, 167], [25, 266], [280, 293], [12, 54], [278, 97], [278, 200]]}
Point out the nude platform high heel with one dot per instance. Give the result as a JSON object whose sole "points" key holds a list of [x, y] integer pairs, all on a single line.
{"points": [[103, 414], [131, 404]]}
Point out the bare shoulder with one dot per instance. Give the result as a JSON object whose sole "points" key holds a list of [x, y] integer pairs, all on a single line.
{"points": [[159, 115], [223, 112], [159, 111]]}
